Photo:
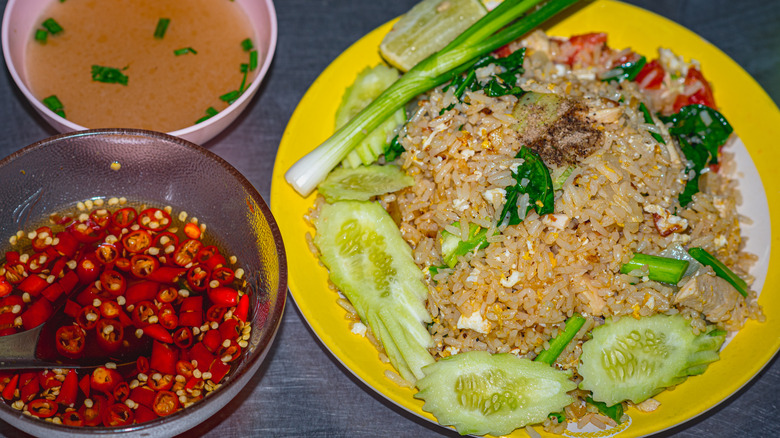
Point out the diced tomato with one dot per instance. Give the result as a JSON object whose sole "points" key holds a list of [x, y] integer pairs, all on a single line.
{"points": [[651, 76], [703, 94], [583, 46]]}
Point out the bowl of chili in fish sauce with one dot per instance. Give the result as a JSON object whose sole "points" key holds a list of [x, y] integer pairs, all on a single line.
{"points": [[185, 68], [167, 182]]}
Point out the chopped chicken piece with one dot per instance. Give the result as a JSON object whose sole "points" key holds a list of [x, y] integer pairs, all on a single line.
{"points": [[711, 295]]}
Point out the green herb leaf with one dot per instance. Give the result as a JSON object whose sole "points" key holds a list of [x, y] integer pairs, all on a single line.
{"points": [[53, 103], [649, 119], [184, 51], [393, 150], [230, 97], [210, 112], [253, 60], [162, 26], [247, 44], [625, 72], [109, 75], [52, 26], [533, 178], [700, 131], [614, 412], [41, 35]]}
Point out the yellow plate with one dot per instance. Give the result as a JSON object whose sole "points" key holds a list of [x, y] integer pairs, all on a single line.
{"points": [[752, 113]]}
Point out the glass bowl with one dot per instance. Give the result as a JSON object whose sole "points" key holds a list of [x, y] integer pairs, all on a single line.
{"points": [[56, 173]]}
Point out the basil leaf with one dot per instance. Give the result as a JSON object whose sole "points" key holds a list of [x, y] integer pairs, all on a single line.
{"points": [[533, 178], [393, 150], [625, 72], [700, 131]]}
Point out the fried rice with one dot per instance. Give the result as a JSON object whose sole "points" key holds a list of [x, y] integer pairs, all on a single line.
{"points": [[514, 295]]}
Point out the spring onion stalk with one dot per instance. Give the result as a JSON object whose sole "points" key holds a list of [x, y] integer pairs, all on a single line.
{"points": [[720, 269], [497, 28], [663, 269], [559, 343], [614, 412]]}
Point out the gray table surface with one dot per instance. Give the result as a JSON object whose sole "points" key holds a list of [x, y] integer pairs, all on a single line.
{"points": [[301, 390]]}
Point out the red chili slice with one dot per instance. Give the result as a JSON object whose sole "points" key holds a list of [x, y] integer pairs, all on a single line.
{"points": [[166, 274], [143, 265], [101, 217], [15, 272], [42, 408], [137, 241], [242, 309], [183, 338], [164, 358], [53, 292], [167, 294], [105, 379], [121, 391], [37, 314], [69, 390], [215, 313], [88, 317], [186, 251], [230, 329], [184, 368], [142, 364], [164, 383], [223, 275], [93, 415], [73, 418], [43, 238], [166, 403], [198, 277], [117, 414], [142, 312], [113, 282], [107, 253], [38, 262], [87, 231], [192, 230], [110, 309], [110, 334], [158, 332], [5, 287], [33, 285], [66, 245], [233, 350], [210, 257], [88, 268], [165, 239], [167, 316], [124, 217], [141, 291], [10, 387], [154, 219], [70, 341], [223, 296]]}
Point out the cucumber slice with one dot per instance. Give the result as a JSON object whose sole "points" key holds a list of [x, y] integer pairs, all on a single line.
{"points": [[372, 265], [635, 359], [479, 393], [426, 28], [369, 84], [363, 182]]}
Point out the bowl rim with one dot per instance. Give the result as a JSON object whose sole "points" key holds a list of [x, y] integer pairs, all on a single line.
{"points": [[5, 37], [275, 314]]}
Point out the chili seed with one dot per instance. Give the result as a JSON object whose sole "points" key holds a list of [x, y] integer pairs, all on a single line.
{"points": [[113, 201], [96, 302], [88, 204], [121, 300], [233, 259], [134, 384], [99, 202], [143, 377], [80, 205], [92, 317], [153, 319], [197, 374], [24, 257], [239, 273], [214, 325], [213, 284], [111, 239], [111, 365], [243, 344], [12, 240], [16, 308], [26, 297]]}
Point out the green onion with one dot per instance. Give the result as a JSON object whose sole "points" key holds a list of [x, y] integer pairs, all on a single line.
{"points": [[252, 60], [247, 44], [614, 412], [649, 119], [559, 417], [109, 75], [41, 35], [52, 26], [663, 269], [497, 28], [244, 67], [53, 103], [559, 343], [720, 269], [210, 112], [230, 97], [162, 26], [243, 83], [184, 51]]}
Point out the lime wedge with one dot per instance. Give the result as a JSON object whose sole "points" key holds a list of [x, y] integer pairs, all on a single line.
{"points": [[426, 28]]}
